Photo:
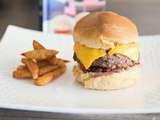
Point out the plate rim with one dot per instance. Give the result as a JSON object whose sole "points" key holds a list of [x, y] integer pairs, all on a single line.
{"points": [[70, 110]]}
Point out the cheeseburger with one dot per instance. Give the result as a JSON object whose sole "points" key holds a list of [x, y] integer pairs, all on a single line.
{"points": [[106, 50]]}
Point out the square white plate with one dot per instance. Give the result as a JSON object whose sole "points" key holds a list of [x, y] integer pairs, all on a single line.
{"points": [[64, 94]]}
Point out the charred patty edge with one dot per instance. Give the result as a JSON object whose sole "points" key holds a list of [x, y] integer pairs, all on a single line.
{"points": [[113, 63]]}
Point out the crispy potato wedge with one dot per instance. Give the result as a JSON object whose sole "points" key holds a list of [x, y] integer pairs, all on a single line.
{"points": [[46, 78], [45, 69], [40, 54], [24, 60], [32, 67], [40, 63], [61, 63], [37, 45], [58, 62], [22, 74], [53, 60], [43, 63]]}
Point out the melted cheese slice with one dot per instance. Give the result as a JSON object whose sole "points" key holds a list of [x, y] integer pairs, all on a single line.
{"points": [[131, 51], [87, 55]]}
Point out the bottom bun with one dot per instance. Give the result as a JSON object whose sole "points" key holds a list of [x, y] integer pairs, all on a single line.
{"points": [[123, 79]]}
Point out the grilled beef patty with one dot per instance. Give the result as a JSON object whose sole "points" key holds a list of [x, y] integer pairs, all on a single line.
{"points": [[107, 63]]}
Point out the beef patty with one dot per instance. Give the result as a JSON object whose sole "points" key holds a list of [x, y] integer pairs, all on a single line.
{"points": [[107, 63]]}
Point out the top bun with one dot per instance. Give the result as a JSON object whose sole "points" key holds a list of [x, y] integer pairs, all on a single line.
{"points": [[104, 30]]}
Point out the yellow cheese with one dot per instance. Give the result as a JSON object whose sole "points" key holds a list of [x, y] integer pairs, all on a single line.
{"points": [[87, 55], [131, 51]]}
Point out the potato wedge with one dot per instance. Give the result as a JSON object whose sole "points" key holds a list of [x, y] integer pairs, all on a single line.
{"points": [[32, 67], [40, 63], [61, 63], [53, 60], [40, 54], [24, 60], [46, 78], [45, 69], [43, 63], [22, 74], [37, 45], [56, 61]]}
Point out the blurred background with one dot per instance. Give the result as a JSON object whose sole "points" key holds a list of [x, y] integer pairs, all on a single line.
{"points": [[59, 16]]}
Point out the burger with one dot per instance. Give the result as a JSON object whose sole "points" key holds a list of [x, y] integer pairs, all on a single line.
{"points": [[106, 50]]}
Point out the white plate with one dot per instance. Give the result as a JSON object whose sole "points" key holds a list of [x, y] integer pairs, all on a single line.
{"points": [[64, 94]]}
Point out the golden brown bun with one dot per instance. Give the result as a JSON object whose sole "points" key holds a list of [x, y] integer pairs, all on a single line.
{"points": [[114, 81], [104, 30]]}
